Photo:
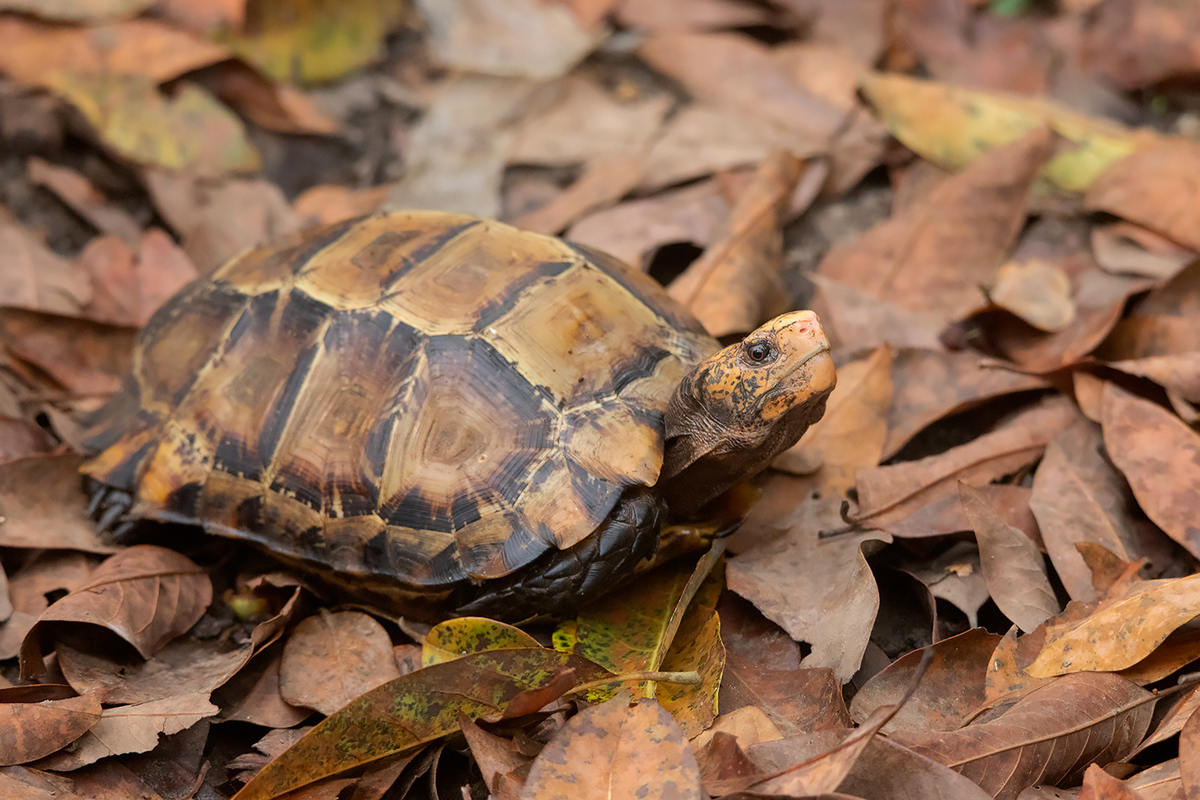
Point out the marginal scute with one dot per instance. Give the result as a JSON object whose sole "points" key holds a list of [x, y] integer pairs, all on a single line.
{"points": [[418, 399]]}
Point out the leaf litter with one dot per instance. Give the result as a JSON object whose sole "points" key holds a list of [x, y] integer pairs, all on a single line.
{"points": [[1014, 432]]}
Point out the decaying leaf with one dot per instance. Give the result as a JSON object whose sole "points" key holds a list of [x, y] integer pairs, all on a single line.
{"points": [[332, 658], [34, 730]]}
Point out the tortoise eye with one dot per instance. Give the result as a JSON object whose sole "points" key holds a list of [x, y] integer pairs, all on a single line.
{"points": [[760, 352]]}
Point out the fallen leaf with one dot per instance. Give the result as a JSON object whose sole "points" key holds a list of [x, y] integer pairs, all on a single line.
{"points": [[1145, 187], [603, 182], [888, 769], [951, 688], [624, 751], [259, 700], [41, 506], [668, 15], [315, 42], [1079, 497], [1119, 633], [586, 122], [332, 658], [457, 151], [188, 131], [145, 594], [275, 106], [953, 126], [1099, 785], [1123, 247], [956, 576], [736, 285], [792, 582], [888, 492], [133, 729], [856, 320], [31, 51], [327, 203], [1178, 373], [34, 730], [933, 259], [498, 758], [738, 74], [84, 199], [1037, 291], [462, 636], [1134, 44], [515, 38], [1160, 457], [426, 703], [851, 433], [1013, 566], [36, 278], [632, 231], [1048, 736]]}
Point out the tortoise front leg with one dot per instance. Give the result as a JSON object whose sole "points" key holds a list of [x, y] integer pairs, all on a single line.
{"points": [[565, 580]]}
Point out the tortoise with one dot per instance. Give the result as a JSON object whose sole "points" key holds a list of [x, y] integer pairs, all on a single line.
{"points": [[433, 408]]}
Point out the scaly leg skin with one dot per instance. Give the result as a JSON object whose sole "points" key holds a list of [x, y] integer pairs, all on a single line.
{"points": [[562, 581], [109, 506]]}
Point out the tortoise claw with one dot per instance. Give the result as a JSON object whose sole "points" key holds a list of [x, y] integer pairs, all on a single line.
{"points": [[108, 506]]}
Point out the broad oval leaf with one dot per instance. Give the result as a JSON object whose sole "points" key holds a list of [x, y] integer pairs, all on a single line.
{"points": [[462, 636], [412, 709], [34, 730]]}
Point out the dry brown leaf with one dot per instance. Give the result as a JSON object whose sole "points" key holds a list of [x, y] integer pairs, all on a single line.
{"points": [[889, 770], [1037, 291], [624, 751], [332, 658], [42, 507], [519, 38], [1050, 735], [1119, 633], [586, 122], [933, 259], [604, 181], [1012, 564], [256, 697], [1176, 373], [891, 492], [1079, 497], [129, 288], [29, 51], [955, 576], [133, 729], [855, 320], [1150, 187], [798, 579], [736, 73], [1160, 457], [1134, 44], [851, 433], [499, 759], [1099, 785], [457, 151], [698, 15], [34, 277], [951, 688], [736, 286], [932, 384], [1123, 247], [146, 594], [34, 730], [328, 203], [633, 231], [84, 199]]}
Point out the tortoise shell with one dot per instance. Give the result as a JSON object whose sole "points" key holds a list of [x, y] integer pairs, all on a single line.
{"points": [[418, 397]]}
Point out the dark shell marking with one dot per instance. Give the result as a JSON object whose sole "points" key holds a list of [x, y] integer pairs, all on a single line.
{"points": [[415, 397]]}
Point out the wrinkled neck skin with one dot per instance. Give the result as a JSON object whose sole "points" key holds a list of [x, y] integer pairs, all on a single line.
{"points": [[731, 416]]}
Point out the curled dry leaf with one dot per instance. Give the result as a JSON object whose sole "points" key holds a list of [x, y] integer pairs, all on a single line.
{"points": [[85, 199], [332, 658], [146, 594], [888, 769], [1123, 247], [34, 277], [604, 181], [1160, 457], [34, 730], [1176, 373], [1099, 785], [1049, 736], [625, 751], [1012, 564], [735, 286]]}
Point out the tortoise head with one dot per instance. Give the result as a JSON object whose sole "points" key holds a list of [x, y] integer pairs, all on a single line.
{"points": [[742, 406]]}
